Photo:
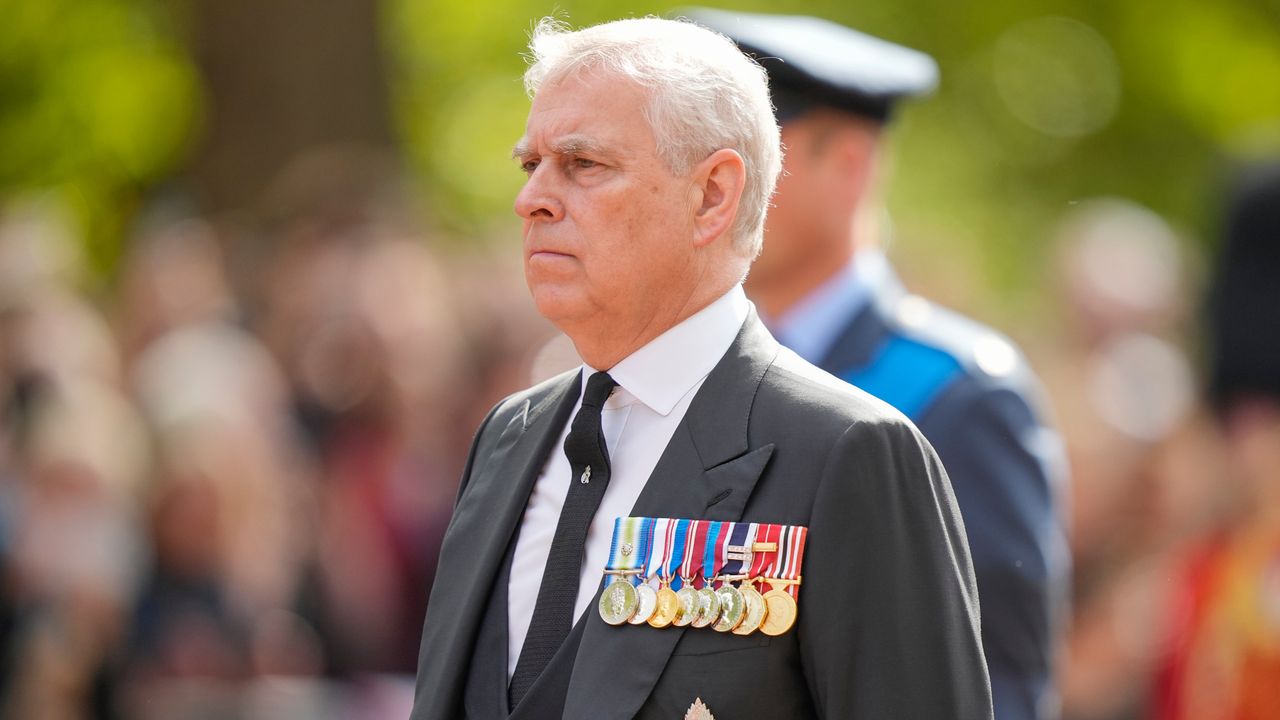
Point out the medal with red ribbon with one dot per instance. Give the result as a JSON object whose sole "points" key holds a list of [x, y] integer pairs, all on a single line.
{"points": [[735, 577]]}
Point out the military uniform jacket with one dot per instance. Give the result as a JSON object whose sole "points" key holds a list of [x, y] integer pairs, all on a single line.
{"points": [[888, 611], [973, 397]]}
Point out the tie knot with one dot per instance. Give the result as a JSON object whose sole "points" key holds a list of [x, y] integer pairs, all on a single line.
{"points": [[599, 385]]}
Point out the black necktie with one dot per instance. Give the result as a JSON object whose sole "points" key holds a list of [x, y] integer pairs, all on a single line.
{"points": [[553, 613]]}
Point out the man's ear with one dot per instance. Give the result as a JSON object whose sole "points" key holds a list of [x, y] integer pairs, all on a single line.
{"points": [[718, 189], [851, 155]]}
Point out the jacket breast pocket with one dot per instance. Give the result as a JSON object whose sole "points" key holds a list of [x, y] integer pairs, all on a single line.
{"points": [[755, 676], [700, 641]]}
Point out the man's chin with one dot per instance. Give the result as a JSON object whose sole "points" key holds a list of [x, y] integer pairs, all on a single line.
{"points": [[562, 308]]}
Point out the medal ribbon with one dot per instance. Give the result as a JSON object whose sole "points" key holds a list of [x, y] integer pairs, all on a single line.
{"points": [[784, 553], [656, 559], [695, 546], [753, 536], [613, 543], [626, 532], [795, 556], [739, 535], [766, 562], [676, 549], [711, 551], [679, 541], [642, 556]]}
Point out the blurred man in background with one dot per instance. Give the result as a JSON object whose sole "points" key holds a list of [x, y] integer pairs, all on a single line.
{"points": [[827, 292]]}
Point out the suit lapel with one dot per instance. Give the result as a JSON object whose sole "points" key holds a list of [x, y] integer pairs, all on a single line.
{"points": [[485, 522], [708, 470]]}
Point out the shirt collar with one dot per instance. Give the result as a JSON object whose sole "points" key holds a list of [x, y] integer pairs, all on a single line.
{"points": [[811, 326], [669, 366]]}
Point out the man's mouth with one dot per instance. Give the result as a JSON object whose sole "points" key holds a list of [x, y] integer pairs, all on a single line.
{"points": [[548, 253]]}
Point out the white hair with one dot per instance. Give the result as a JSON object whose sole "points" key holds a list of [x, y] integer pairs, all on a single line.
{"points": [[704, 95]]}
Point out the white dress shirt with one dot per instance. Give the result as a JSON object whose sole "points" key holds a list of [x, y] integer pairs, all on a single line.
{"points": [[655, 386]]}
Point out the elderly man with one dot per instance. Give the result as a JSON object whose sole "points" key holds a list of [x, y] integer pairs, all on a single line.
{"points": [[828, 292], [651, 151]]}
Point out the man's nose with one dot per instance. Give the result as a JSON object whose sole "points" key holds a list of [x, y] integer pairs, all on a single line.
{"points": [[538, 199]]}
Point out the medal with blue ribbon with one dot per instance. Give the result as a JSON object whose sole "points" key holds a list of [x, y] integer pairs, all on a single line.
{"points": [[706, 574], [708, 601], [646, 596], [732, 603], [664, 549], [618, 601]]}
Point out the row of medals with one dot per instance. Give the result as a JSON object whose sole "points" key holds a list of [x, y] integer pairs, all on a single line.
{"points": [[741, 610]]}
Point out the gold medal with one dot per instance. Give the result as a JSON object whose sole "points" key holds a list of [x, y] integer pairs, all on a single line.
{"points": [[618, 602], [708, 608], [688, 597], [755, 610], [781, 613], [647, 603], [732, 608], [667, 609]]}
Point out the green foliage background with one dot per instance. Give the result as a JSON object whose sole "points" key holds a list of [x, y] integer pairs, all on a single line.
{"points": [[98, 103], [1042, 104], [1180, 89]]}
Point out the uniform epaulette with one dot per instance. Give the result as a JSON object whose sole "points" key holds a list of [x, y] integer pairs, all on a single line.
{"points": [[928, 348], [977, 348]]}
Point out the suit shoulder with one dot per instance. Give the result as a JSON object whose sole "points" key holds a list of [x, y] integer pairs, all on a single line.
{"points": [[822, 398], [809, 413]]}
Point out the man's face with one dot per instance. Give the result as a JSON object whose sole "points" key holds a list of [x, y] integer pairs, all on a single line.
{"points": [[824, 177], [607, 226], [799, 222]]}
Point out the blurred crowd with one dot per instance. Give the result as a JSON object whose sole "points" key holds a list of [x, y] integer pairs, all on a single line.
{"points": [[1165, 371], [224, 476], [225, 472]]}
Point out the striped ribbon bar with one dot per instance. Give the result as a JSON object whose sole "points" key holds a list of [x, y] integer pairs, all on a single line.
{"points": [[670, 549], [627, 550], [678, 541], [711, 551], [739, 535], [791, 549], [657, 547], [695, 547]]}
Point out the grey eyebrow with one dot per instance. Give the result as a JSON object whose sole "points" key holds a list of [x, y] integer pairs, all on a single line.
{"points": [[568, 145], [577, 145]]}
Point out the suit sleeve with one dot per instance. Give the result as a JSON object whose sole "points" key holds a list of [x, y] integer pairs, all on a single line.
{"points": [[1005, 467], [889, 610]]}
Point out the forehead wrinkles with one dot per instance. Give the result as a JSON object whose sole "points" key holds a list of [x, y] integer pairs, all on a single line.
{"points": [[588, 113]]}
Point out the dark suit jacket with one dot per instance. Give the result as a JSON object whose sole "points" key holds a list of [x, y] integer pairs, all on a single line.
{"points": [[1005, 465], [888, 610]]}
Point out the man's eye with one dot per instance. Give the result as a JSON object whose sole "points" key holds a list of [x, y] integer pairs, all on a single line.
{"points": [[584, 163], [528, 166]]}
